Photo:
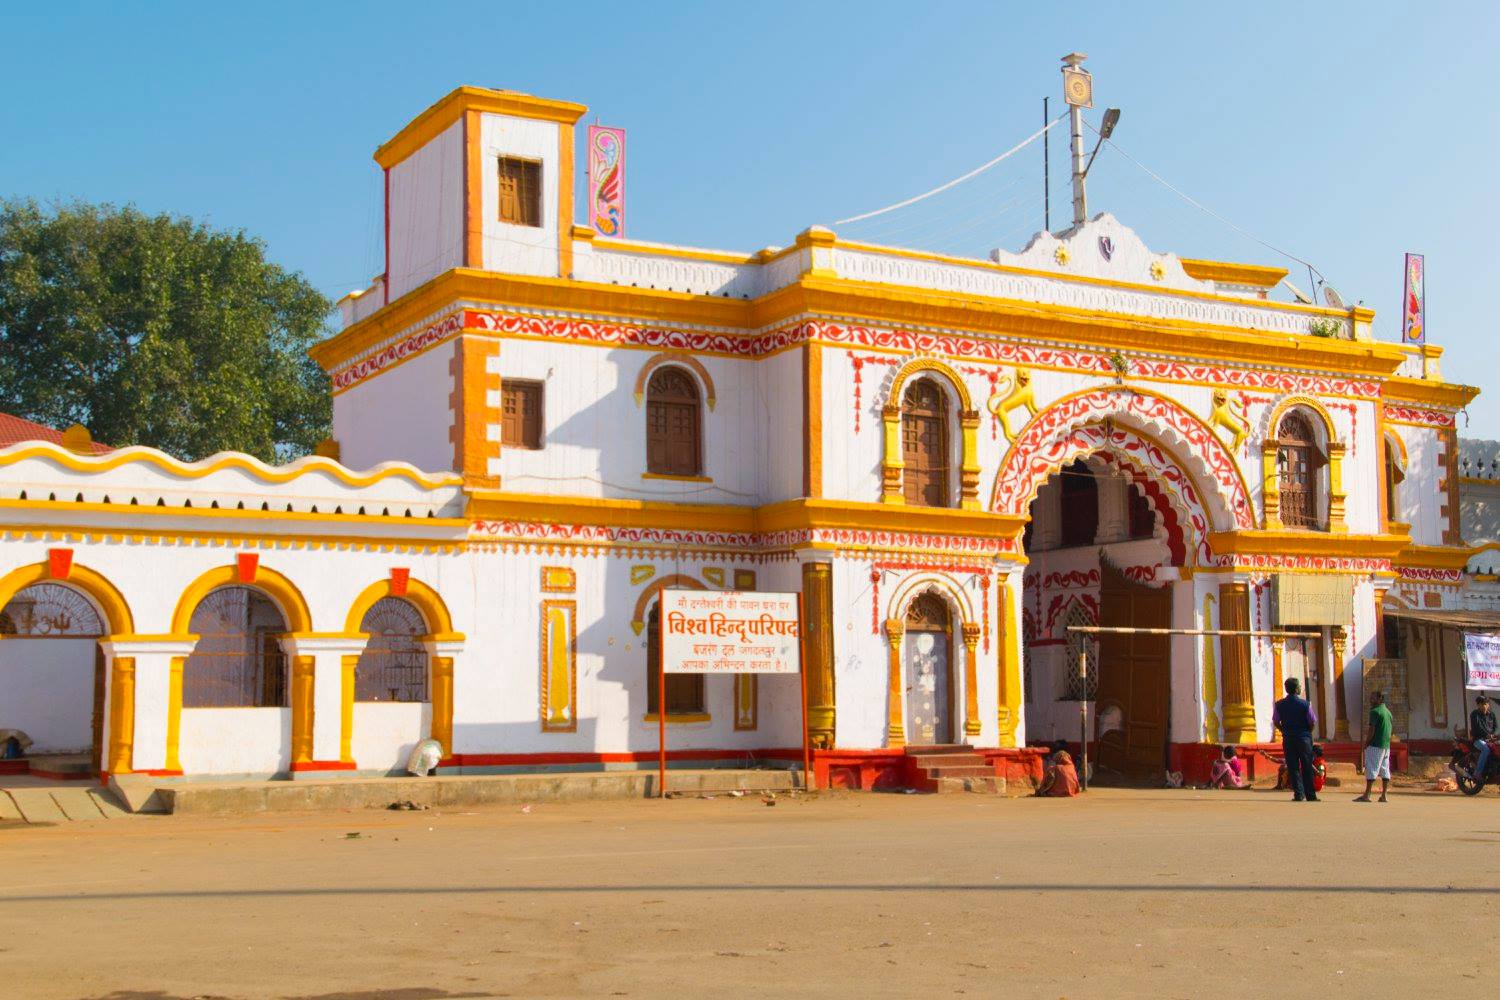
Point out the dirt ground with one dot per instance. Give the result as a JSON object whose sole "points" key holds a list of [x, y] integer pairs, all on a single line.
{"points": [[1117, 894]]}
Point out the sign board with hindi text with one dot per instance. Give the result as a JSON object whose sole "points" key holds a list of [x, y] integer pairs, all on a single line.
{"points": [[1482, 661], [729, 632], [1313, 599]]}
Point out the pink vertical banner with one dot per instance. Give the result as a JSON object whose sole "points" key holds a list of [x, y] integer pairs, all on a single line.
{"points": [[607, 180], [1414, 301]]}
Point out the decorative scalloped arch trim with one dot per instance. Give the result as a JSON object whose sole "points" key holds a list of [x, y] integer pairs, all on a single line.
{"points": [[942, 583], [269, 582], [1395, 438], [224, 460], [675, 358], [638, 620], [105, 595], [1045, 444], [918, 365], [428, 601]]}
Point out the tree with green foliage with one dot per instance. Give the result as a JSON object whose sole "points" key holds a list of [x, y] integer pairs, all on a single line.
{"points": [[156, 330]]}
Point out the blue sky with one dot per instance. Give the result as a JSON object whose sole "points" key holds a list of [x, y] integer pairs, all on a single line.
{"points": [[1338, 132]]}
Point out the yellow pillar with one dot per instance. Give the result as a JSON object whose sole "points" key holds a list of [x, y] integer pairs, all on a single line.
{"points": [[817, 652], [1340, 638], [302, 709], [1210, 676], [1010, 666], [890, 470], [121, 714], [1270, 486], [968, 474], [895, 630], [1336, 487], [442, 703], [1239, 698], [174, 713], [347, 664], [971, 679]]}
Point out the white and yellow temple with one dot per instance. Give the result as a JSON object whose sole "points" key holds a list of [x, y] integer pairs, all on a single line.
{"points": [[536, 429]]}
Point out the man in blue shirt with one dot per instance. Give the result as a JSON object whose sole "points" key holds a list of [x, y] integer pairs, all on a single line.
{"points": [[1295, 717]]}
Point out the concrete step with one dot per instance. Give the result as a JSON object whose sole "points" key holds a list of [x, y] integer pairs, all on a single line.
{"points": [[449, 791], [992, 785], [939, 748], [59, 803], [978, 770], [949, 760]]}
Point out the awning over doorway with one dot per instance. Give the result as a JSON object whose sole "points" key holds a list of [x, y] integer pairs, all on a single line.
{"points": [[1459, 618]]}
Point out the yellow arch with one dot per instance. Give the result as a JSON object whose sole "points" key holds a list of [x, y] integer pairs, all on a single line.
{"points": [[1395, 438], [269, 582], [1307, 402], [428, 601], [117, 617], [915, 365], [675, 358], [940, 582]]}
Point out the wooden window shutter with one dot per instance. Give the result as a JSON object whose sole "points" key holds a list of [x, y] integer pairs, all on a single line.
{"points": [[673, 424], [521, 414], [520, 191], [924, 445]]}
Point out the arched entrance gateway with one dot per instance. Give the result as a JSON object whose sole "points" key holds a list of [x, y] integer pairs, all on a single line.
{"points": [[1122, 488]]}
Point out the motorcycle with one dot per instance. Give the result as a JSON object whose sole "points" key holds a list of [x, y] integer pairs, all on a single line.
{"points": [[1465, 758]]}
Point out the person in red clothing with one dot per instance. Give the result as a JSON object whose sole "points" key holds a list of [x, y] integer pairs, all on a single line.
{"points": [[1061, 778], [1227, 771]]}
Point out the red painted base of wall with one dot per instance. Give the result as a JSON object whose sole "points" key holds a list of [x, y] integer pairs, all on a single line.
{"points": [[633, 757], [320, 765], [1195, 760], [892, 769]]}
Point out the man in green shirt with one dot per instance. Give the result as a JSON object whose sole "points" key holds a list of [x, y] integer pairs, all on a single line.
{"points": [[1377, 748]]}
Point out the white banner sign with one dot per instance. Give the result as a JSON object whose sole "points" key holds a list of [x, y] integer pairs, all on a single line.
{"points": [[1482, 661], [729, 632]]}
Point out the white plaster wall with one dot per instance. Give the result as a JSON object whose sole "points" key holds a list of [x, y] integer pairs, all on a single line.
{"points": [[402, 414], [254, 741], [386, 732], [778, 410], [861, 657], [427, 211], [511, 248], [1420, 497], [49, 692], [594, 431]]}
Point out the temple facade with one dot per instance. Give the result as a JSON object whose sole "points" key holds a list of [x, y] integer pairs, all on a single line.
{"points": [[536, 429]]}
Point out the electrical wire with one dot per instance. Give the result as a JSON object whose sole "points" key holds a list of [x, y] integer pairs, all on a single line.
{"points": [[957, 180]]}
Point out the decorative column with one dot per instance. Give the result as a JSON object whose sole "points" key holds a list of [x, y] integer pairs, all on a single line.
{"points": [[817, 652], [1340, 637], [1270, 483], [968, 474], [1336, 496], [145, 704], [1238, 693], [971, 678], [895, 631], [322, 701], [1011, 688], [1380, 622], [442, 654], [895, 462], [1210, 676]]}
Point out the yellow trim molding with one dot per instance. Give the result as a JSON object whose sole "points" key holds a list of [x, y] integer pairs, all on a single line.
{"points": [[1292, 542], [117, 617], [892, 469], [423, 128], [269, 582], [1252, 275]]}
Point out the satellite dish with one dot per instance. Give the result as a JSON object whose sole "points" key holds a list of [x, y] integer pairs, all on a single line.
{"points": [[1333, 298], [1298, 293]]}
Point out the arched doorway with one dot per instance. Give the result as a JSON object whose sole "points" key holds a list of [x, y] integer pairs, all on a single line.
{"points": [[394, 664], [927, 671], [52, 672]]}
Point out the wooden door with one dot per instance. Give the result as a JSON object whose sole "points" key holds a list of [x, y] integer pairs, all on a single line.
{"points": [[926, 656], [1301, 659], [924, 445], [1134, 676]]}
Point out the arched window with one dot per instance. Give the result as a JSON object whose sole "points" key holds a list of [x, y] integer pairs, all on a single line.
{"points": [[237, 661], [673, 424], [684, 691], [924, 444], [1299, 461], [1080, 688], [50, 610], [393, 666], [1393, 476], [1079, 505]]}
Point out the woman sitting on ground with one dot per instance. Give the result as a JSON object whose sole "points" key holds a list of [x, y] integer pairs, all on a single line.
{"points": [[1227, 771], [1060, 780]]}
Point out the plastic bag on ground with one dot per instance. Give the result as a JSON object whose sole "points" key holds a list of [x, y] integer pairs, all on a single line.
{"points": [[424, 757]]}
